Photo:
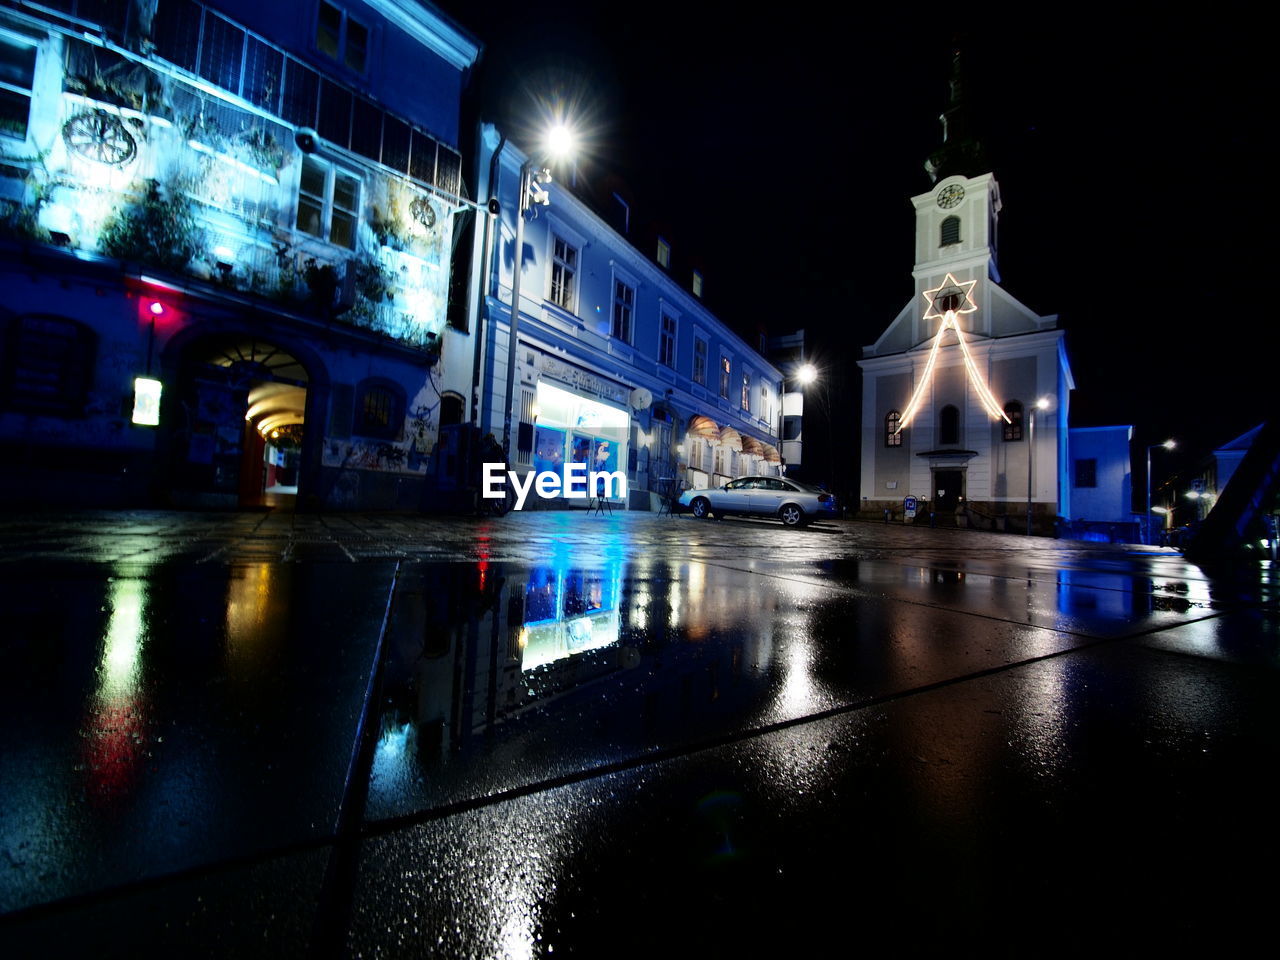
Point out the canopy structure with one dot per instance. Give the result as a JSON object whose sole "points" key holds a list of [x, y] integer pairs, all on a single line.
{"points": [[700, 426], [752, 446], [771, 454], [731, 439]]}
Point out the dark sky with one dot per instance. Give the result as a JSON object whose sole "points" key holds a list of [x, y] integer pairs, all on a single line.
{"points": [[1128, 150]]}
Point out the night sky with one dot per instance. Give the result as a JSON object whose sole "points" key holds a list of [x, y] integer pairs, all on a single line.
{"points": [[784, 150]]}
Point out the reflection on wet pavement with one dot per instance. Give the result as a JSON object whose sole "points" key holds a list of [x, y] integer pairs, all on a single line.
{"points": [[160, 718], [565, 707], [502, 676]]}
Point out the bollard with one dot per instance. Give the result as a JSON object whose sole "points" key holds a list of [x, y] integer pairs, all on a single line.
{"points": [[886, 515], [933, 520]]}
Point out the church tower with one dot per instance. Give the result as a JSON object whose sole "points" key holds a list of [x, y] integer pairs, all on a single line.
{"points": [[950, 386]]}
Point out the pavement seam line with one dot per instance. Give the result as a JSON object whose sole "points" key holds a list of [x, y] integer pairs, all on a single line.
{"points": [[389, 825]]}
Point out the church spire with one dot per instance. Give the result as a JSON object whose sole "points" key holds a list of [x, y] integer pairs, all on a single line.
{"points": [[960, 151]]}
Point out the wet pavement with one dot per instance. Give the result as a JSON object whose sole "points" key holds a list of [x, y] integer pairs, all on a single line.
{"points": [[268, 734]]}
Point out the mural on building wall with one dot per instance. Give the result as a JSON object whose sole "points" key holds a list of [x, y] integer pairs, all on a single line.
{"points": [[125, 161], [410, 453]]}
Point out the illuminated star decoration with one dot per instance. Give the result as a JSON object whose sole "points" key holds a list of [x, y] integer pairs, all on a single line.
{"points": [[946, 301]]}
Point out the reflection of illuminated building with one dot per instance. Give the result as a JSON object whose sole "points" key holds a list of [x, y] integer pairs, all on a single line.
{"points": [[114, 741], [568, 612]]}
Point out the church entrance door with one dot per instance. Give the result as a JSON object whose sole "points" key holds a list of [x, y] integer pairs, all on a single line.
{"points": [[948, 488]]}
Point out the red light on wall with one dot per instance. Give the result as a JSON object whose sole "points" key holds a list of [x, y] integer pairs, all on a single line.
{"points": [[156, 308]]}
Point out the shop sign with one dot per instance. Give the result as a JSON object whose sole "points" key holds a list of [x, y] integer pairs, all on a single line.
{"points": [[582, 380]]}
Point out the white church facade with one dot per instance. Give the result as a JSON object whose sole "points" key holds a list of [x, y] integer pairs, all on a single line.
{"points": [[966, 394]]}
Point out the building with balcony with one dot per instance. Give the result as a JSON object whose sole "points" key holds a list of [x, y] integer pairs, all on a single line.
{"points": [[228, 233], [618, 364]]}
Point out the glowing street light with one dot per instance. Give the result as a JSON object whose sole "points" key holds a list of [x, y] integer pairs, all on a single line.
{"points": [[1167, 445], [807, 374], [558, 143], [1041, 403]]}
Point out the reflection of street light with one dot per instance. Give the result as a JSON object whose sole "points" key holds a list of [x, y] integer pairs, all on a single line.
{"points": [[1168, 445], [1041, 404], [558, 144]]}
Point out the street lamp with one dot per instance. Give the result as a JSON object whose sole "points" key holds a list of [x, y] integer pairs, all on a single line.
{"points": [[559, 143], [1040, 404], [1167, 445], [807, 374]]}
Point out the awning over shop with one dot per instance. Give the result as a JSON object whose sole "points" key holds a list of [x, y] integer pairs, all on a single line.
{"points": [[752, 446], [771, 454], [704, 427], [730, 439]]}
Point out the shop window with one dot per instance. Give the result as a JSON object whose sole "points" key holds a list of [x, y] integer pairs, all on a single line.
{"points": [[1087, 473], [342, 37], [328, 203], [892, 435], [949, 425], [17, 73], [1013, 429], [564, 272], [624, 301], [950, 231], [379, 410], [47, 366]]}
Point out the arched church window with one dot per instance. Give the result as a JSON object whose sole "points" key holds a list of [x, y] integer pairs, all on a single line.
{"points": [[1013, 429], [950, 232], [892, 437], [949, 425]]}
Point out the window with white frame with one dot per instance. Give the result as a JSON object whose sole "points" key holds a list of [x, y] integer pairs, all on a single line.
{"points": [[667, 341], [342, 37], [17, 76], [624, 302], [328, 203], [746, 390], [765, 411], [724, 376], [700, 361], [564, 272]]}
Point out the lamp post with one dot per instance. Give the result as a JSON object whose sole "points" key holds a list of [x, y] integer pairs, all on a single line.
{"points": [[1040, 404], [1167, 445], [559, 143]]}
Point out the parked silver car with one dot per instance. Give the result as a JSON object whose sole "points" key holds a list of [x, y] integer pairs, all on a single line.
{"points": [[792, 502]]}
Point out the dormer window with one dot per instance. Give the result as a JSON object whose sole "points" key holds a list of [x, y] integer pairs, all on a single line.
{"points": [[341, 37], [664, 253], [950, 232], [697, 284]]}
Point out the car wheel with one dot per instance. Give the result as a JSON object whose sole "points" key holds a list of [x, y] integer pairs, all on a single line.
{"points": [[791, 515], [701, 508]]}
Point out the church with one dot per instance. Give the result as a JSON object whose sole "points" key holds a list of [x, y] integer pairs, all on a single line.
{"points": [[966, 394]]}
